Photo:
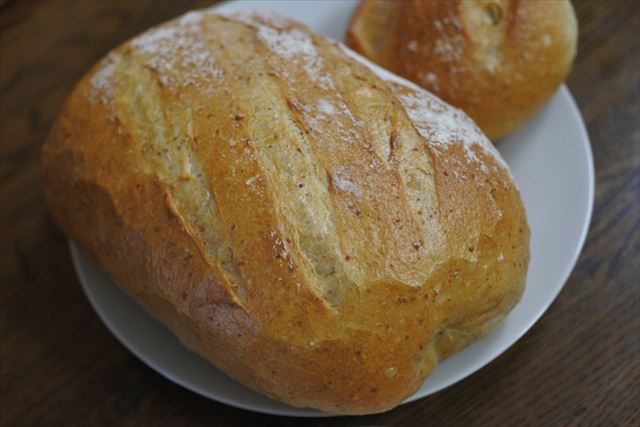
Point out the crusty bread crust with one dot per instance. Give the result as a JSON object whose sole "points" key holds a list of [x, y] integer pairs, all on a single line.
{"points": [[498, 60], [320, 234]]}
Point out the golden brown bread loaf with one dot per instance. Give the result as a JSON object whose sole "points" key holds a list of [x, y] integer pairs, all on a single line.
{"points": [[498, 60], [321, 234]]}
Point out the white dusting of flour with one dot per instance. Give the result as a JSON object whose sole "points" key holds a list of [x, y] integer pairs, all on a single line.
{"points": [[443, 125], [342, 179], [318, 116], [179, 52], [249, 182], [344, 184], [325, 107], [449, 48], [430, 78], [297, 47], [102, 82], [291, 44], [288, 44], [438, 122]]}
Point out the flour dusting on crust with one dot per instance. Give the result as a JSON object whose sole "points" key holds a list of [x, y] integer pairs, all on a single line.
{"points": [[281, 38], [101, 81], [441, 124], [179, 53]]}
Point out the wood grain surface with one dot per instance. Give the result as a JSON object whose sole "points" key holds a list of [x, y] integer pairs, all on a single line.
{"points": [[579, 365]]}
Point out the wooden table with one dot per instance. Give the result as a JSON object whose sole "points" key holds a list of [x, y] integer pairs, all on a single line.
{"points": [[59, 365]]}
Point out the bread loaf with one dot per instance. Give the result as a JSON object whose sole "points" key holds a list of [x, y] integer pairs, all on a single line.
{"points": [[321, 234], [498, 60]]}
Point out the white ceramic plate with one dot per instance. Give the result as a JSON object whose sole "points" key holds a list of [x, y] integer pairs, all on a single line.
{"points": [[552, 163]]}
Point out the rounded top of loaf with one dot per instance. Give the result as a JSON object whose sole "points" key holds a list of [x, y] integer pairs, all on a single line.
{"points": [[498, 60], [320, 233]]}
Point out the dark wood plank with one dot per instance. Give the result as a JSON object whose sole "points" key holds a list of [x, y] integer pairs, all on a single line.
{"points": [[579, 365]]}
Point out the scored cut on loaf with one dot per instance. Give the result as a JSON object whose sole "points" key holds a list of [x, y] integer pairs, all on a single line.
{"points": [[500, 61], [320, 233]]}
